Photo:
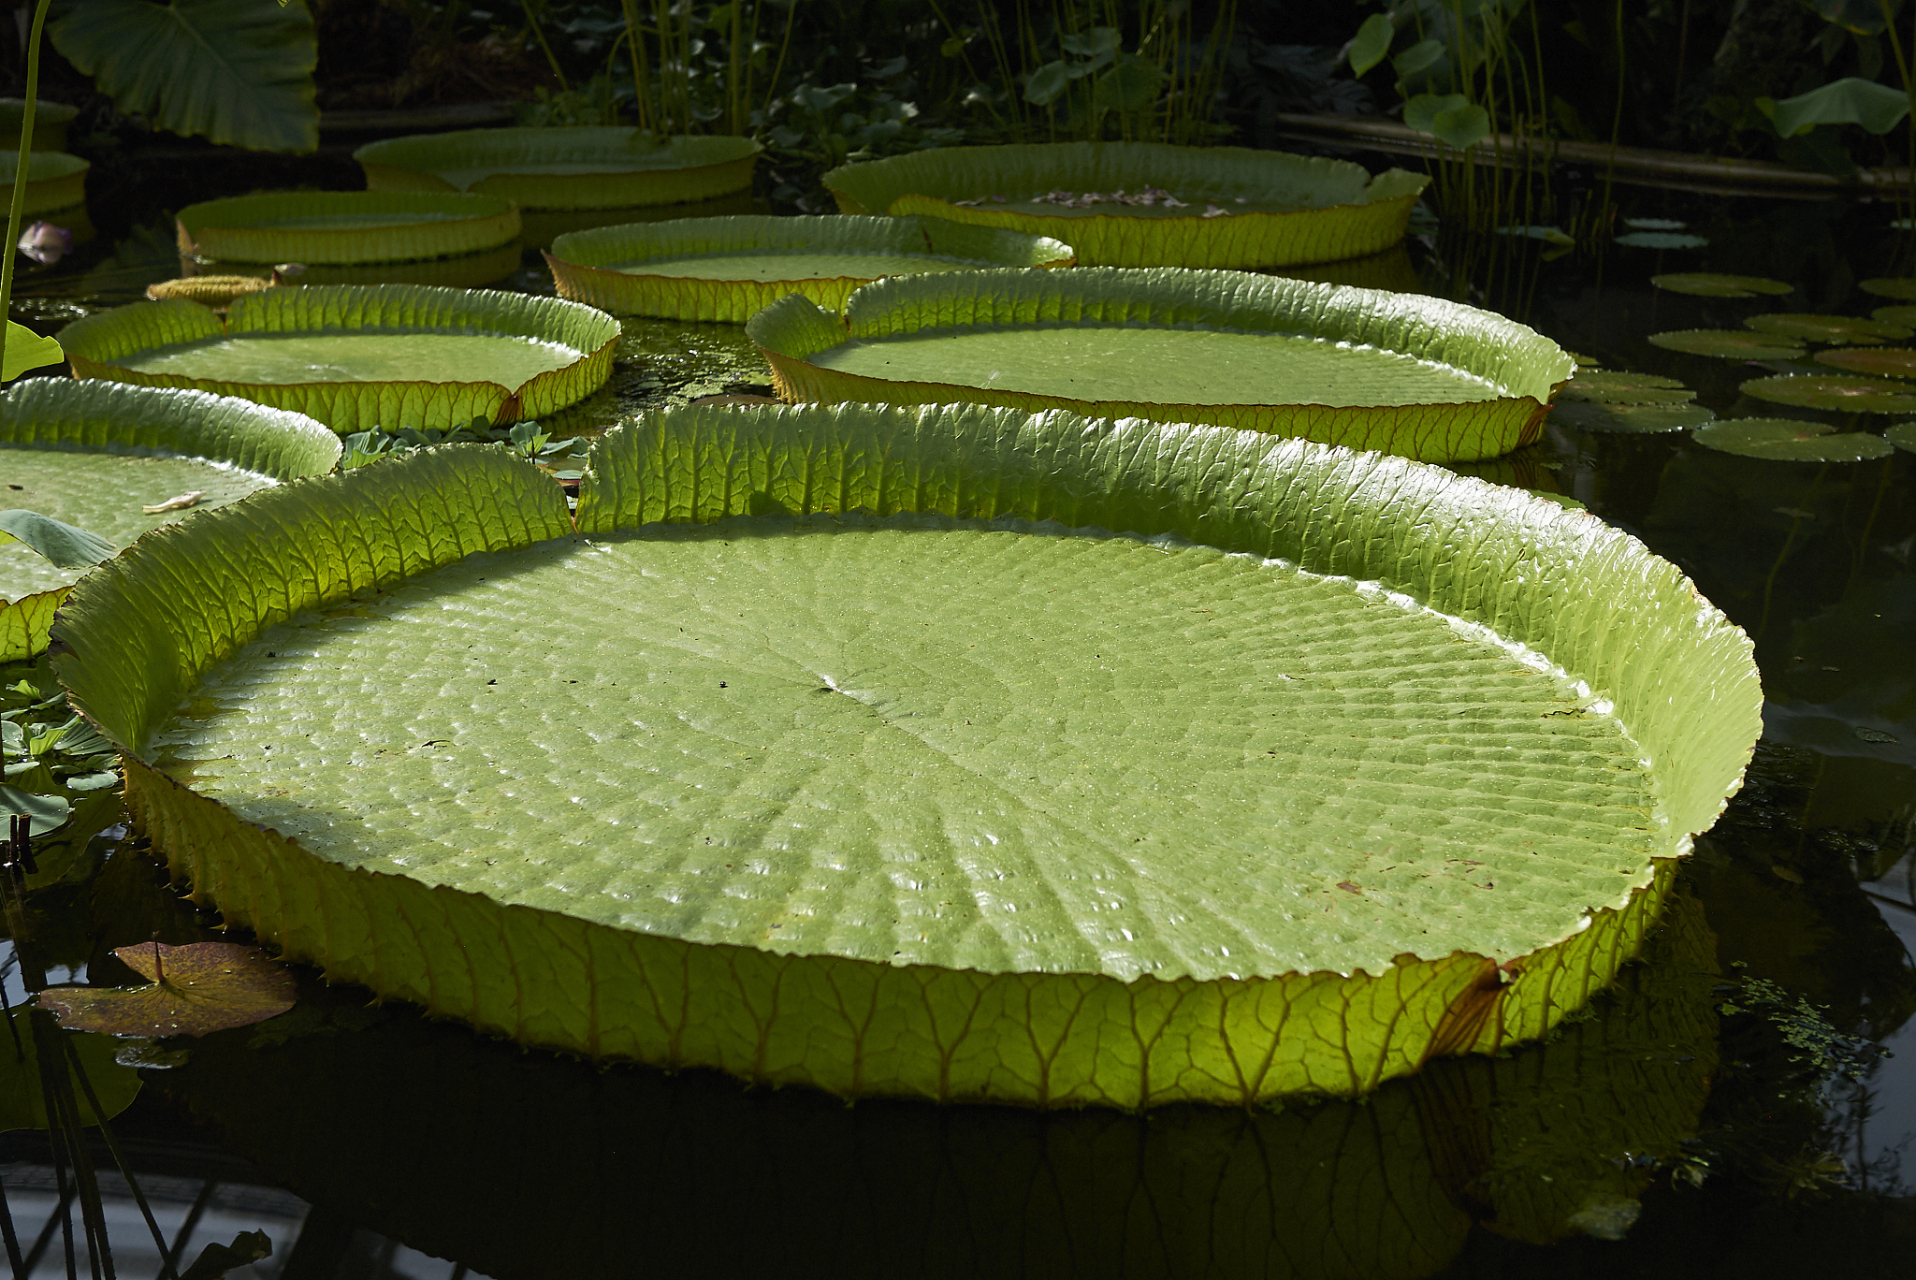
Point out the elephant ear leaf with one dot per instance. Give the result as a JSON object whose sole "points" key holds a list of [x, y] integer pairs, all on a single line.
{"points": [[239, 72]]}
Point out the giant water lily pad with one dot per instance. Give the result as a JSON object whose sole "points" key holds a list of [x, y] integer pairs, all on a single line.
{"points": [[1818, 328], [389, 356], [848, 747], [98, 455], [585, 167], [1728, 344], [733, 268], [56, 181], [1228, 206], [1844, 395], [1790, 440], [345, 227], [50, 120], [1710, 284], [1405, 374]]}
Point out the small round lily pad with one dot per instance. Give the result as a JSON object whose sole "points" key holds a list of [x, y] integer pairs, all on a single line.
{"points": [[1848, 395], [1631, 419], [1904, 315], [1813, 328], [1727, 344], [1902, 288], [1622, 387], [1791, 440], [1714, 284], [1902, 435], [1655, 224], [1883, 362]]}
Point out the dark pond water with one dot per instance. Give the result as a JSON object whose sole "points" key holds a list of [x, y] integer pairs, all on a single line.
{"points": [[1744, 1104]]}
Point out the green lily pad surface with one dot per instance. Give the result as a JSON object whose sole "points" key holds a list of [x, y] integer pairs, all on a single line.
{"points": [[1728, 344], [356, 357], [1711, 284], [1902, 288], [345, 227], [1226, 206], [1900, 315], [581, 167], [97, 454], [847, 747], [1622, 387], [1881, 362], [1404, 374], [1847, 395], [1790, 440], [1902, 436], [1818, 328], [1631, 419], [732, 268]]}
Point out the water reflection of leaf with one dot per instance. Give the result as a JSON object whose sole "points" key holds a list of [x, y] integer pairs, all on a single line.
{"points": [[405, 1124]]}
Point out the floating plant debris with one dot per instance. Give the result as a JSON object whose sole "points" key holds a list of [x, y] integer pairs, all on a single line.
{"points": [[1625, 388], [1791, 440], [1662, 240], [1883, 362], [1727, 344], [1845, 395], [1818, 328], [1711, 284], [1631, 419]]}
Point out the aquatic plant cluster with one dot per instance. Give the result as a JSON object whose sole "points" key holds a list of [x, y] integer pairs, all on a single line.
{"points": [[1104, 675]]}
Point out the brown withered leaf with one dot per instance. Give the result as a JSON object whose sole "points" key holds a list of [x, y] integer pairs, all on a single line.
{"points": [[196, 988]]}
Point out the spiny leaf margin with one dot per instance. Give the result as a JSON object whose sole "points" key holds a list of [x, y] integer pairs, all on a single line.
{"points": [[1592, 598]]}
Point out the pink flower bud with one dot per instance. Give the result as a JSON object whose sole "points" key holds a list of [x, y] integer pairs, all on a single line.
{"points": [[45, 243]]}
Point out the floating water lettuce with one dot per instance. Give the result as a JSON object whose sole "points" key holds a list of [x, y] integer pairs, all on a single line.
{"points": [[1536, 1145], [1711, 284], [942, 790], [345, 227], [729, 269], [1228, 207], [1819, 328], [1631, 419], [1728, 344], [1791, 440], [1404, 374], [107, 458], [582, 167], [355, 357], [1847, 395], [1624, 387], [1882, 362]]}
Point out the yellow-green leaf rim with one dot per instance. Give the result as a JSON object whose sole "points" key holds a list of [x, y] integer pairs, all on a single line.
{"points": [[1340, 210], [142, 633], [367, 227], [582, 167], [1523, 366], [56, 181], [606, 267], [99, 428], [96, 344]]}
